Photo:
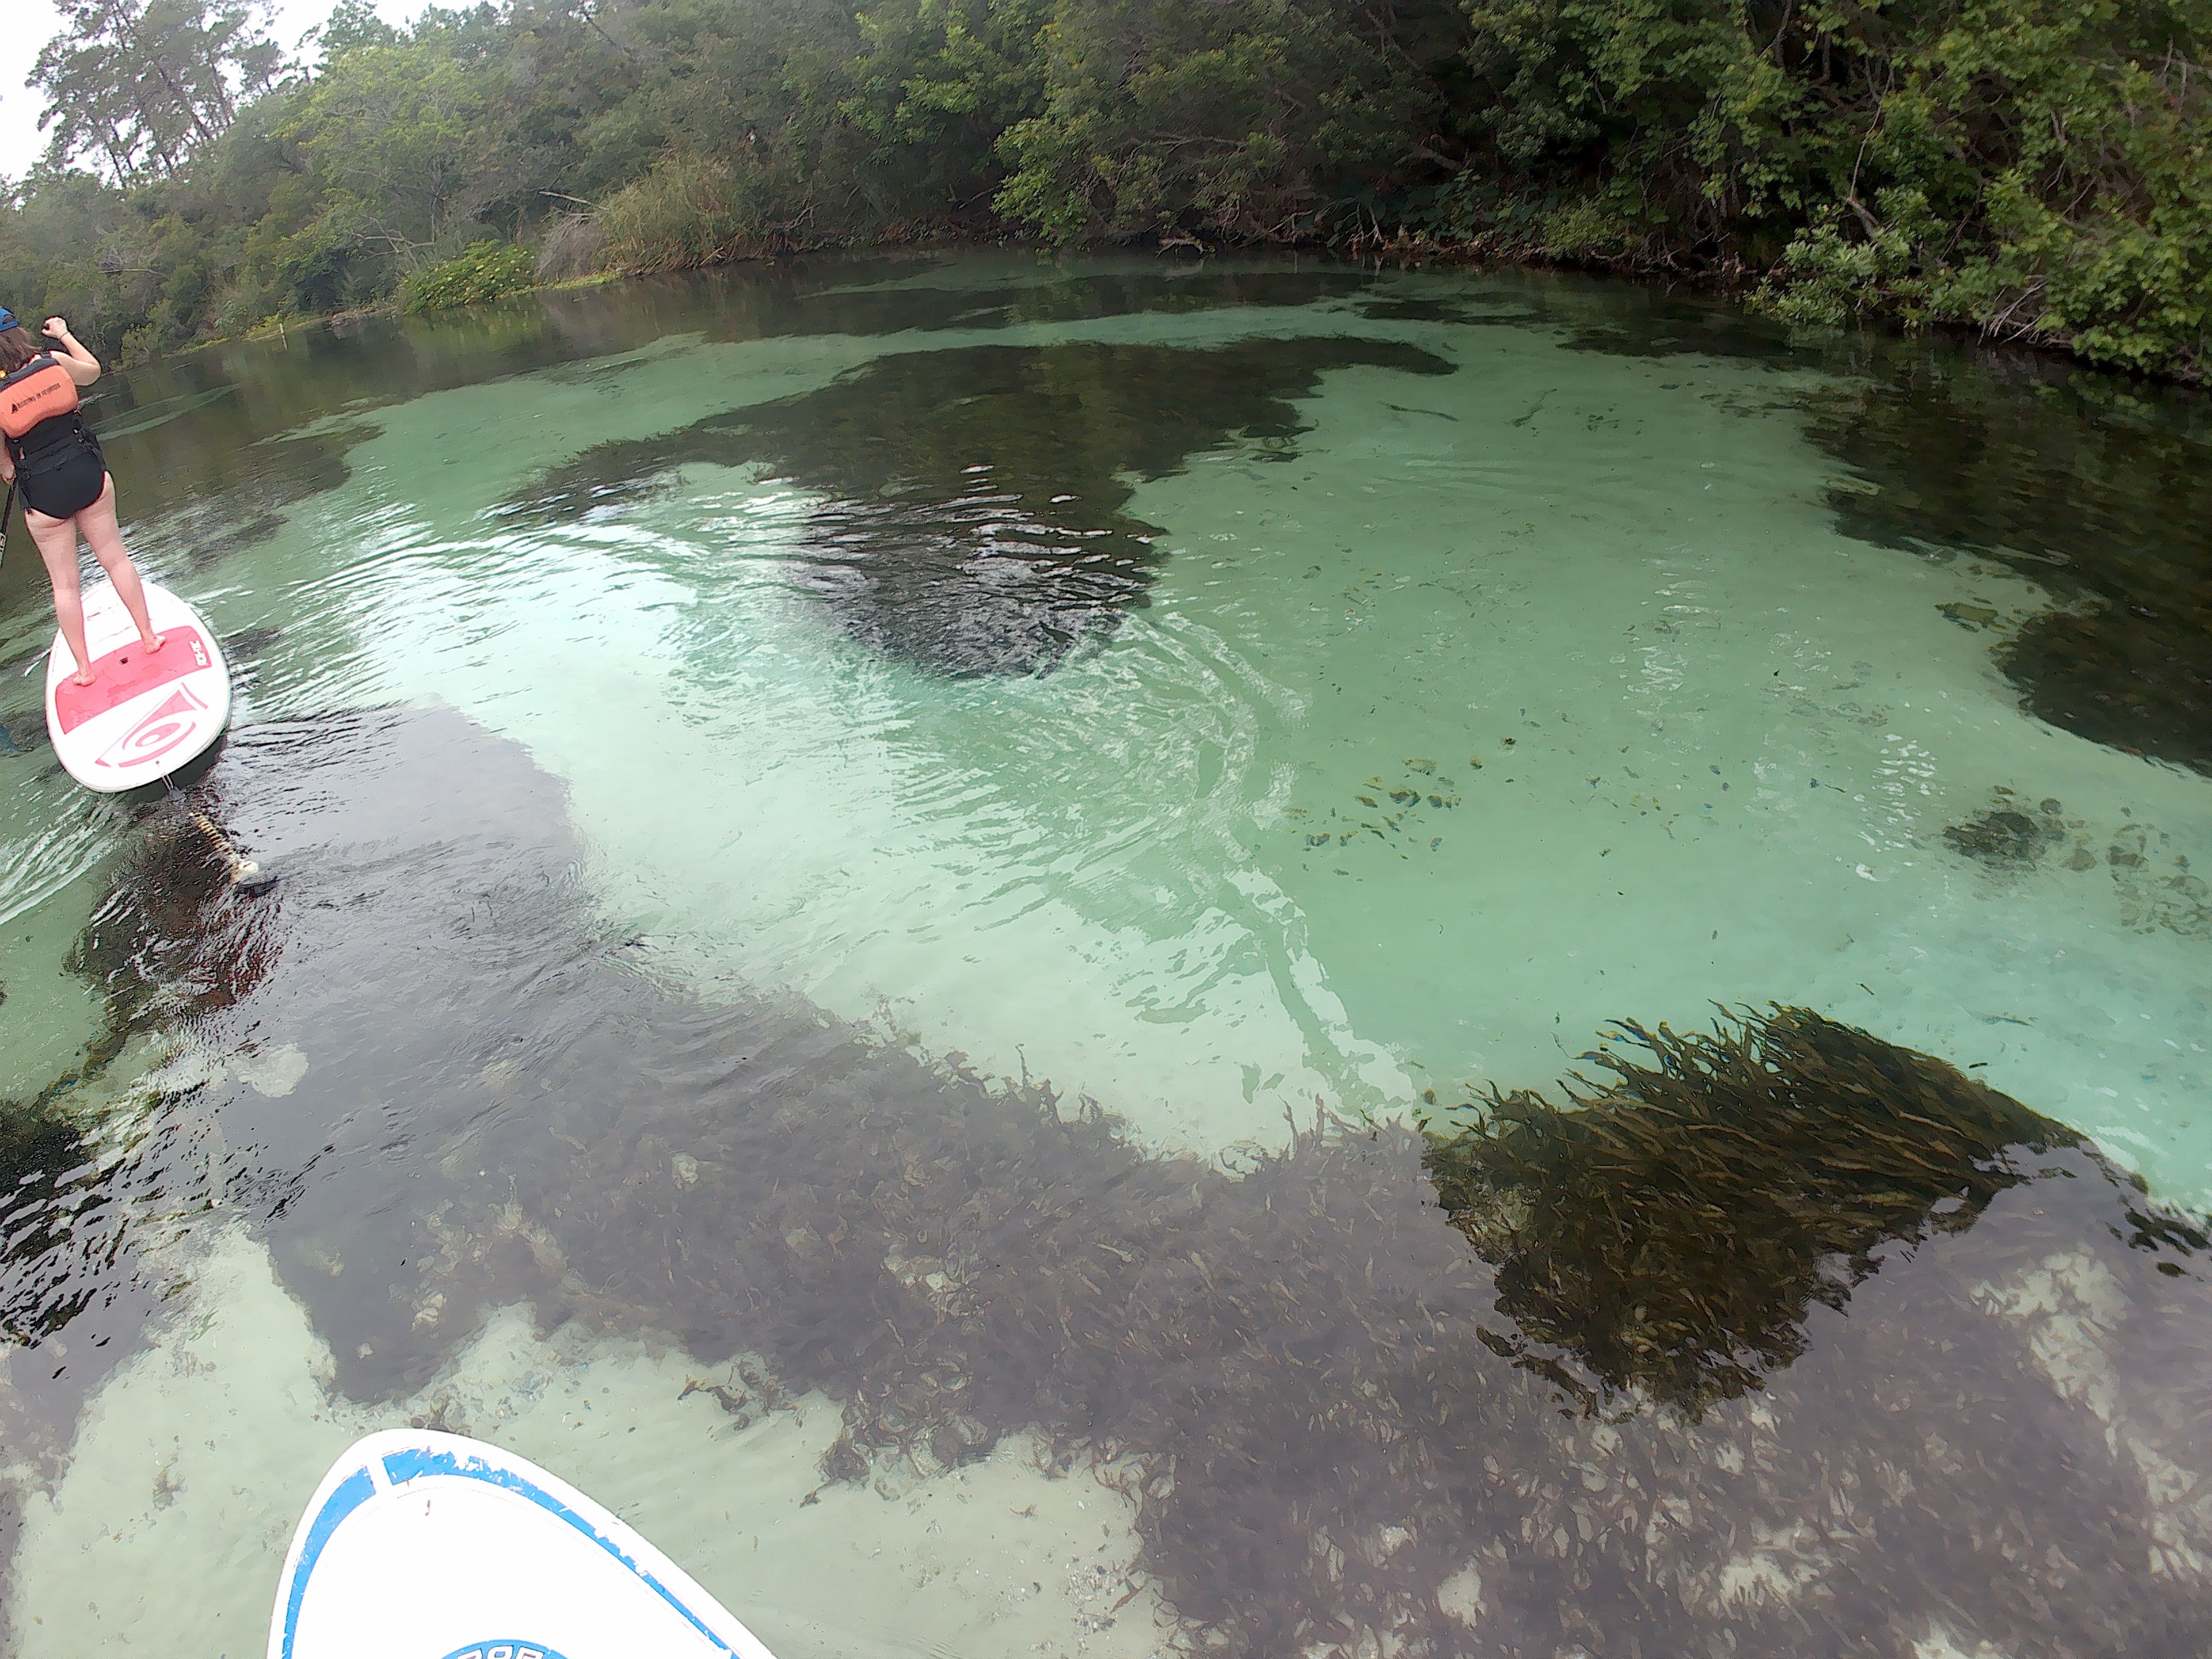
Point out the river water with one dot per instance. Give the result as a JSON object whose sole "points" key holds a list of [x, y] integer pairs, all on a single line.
{"points": [[873, 858]]}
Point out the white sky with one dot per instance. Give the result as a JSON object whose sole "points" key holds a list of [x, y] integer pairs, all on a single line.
{"points": [[32, 23]]}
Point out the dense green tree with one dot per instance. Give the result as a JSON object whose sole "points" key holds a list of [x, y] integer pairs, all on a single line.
{"points": [[353, 23], [1238, 118], [2037, 167], [139, 84]]}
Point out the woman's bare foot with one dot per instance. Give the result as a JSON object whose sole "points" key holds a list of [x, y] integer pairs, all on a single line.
{"points": [[84, 676], [153, 644]]}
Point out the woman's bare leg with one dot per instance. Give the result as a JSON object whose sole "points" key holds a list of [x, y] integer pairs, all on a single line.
{"points": [[104, 537], [56, 542]]}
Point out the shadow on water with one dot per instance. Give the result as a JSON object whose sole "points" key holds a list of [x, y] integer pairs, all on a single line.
{"points": [[1677, 1410], [973, 523]]}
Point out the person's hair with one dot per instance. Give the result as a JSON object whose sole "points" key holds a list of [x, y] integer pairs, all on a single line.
{"points": [[16, 348]]}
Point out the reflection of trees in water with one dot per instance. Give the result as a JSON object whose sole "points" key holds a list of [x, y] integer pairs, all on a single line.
{"points": [[1293, 1370], [1671, 1227], [973, 523], [2091, 485], [2096, 489]]}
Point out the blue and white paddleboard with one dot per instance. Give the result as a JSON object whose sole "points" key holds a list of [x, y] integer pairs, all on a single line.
{"points": [[426, 1546], [146, 713]]}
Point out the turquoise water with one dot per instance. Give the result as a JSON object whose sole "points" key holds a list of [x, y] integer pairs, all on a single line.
{"points": [[1427, 670]]}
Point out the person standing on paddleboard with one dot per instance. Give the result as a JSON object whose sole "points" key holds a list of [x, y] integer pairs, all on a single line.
{"points": [[53, 461]]}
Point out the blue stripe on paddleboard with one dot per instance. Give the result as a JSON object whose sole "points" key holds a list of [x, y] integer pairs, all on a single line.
{"points": [[348, 1495], [411, 1465]]}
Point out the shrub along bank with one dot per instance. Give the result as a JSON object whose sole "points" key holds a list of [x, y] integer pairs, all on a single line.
{"points": [[2036, 169]]}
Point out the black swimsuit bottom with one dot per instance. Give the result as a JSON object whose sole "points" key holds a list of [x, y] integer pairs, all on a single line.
{"points": [[63, 480]]}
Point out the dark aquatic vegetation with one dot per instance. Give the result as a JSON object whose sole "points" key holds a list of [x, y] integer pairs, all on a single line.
{"points": [[2093, 486], [2007, 838], [38, 1155], [2151, 878], [973, 520], [1671, 1228], [2105, 509], [1344, 1428]]}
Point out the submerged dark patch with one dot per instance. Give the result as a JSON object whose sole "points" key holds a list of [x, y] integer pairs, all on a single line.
{"points": [[1386, 307], [2095, 486], [2097, 489], [2006, 837], [1295, 1374], [1671, 1227], [889, 296], [974, 519], [38, 1155], [246, 643]]}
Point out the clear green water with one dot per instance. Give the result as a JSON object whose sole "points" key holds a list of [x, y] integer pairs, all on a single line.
{"points": [[1511, 687]]}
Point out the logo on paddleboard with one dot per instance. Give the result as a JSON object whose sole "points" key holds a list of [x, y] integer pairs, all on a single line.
{"points": [[168, 725], [504, 1651]]}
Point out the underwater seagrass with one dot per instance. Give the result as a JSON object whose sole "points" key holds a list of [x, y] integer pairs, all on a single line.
{"points": [[172, 942], [2006, 837], [1292, 1371], [1672, 1227], [972, 516]]}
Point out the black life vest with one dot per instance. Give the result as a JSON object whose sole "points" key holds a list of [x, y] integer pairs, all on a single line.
{"points": [[38, 410]]}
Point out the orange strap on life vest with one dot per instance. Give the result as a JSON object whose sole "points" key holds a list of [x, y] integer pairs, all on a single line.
{"points": [[39, 390]]}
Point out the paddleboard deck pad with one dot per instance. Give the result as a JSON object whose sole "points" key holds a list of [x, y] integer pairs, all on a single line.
{"points": [[146, 713], [420, 1545]]}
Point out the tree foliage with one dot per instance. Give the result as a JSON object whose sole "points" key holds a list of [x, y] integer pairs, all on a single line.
{"points": [[2036, 169], [1241, 119], [137, 85]]}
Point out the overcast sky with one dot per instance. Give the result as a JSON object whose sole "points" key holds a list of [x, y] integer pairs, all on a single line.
{"points": [[32, 23]]}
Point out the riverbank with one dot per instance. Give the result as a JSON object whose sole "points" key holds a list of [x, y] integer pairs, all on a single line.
{"points": [[2033, 173], [1755, 292]]}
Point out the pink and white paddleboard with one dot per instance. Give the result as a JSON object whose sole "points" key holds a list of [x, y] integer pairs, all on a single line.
{"points": [[146, 714]]}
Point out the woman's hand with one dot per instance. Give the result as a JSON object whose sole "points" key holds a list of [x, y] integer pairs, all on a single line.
{"points": [[83, 367]]}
